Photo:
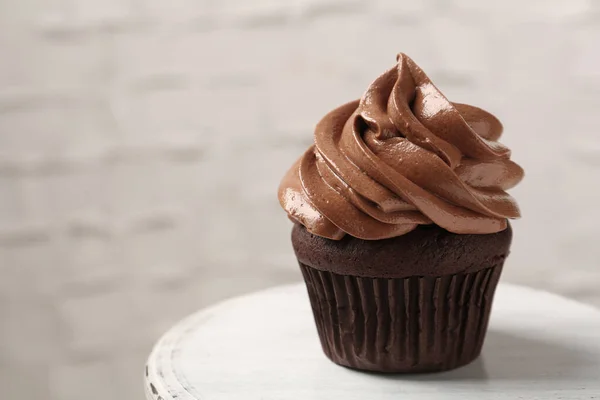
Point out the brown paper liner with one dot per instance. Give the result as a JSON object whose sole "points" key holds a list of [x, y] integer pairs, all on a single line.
{"points": [[414, 324]]}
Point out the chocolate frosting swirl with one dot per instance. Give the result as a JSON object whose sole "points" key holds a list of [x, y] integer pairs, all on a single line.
{"points": [[401, 156]]}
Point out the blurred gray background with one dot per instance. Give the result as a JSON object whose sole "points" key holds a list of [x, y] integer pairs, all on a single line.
{"points": [[142, 142]]}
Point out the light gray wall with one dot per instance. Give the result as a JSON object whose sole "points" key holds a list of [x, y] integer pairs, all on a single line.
{"points": [[142, 141]]}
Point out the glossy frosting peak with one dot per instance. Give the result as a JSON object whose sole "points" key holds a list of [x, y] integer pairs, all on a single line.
{"points": [[401, 156]]}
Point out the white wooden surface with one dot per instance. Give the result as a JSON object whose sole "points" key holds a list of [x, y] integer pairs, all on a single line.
{"points": [[264, 346]]}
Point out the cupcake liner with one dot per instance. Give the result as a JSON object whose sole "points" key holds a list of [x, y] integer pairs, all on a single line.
{"points": [[414, 324]]}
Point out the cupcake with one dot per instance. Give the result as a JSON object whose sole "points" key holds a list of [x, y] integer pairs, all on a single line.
{"points": [[401, 225]]}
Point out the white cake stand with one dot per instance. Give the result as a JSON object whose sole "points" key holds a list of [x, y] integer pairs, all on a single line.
{"points": [[265, 346]]}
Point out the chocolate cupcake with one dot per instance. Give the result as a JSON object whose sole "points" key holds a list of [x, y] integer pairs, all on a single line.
{"points": [[402, 225]]}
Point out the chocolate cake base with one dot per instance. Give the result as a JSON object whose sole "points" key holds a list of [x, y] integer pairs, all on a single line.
{"points": [[417, 303], [426, 251], [418, 324]]}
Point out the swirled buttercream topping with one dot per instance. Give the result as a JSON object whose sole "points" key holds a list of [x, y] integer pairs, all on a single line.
{"points": [[401, 156]]}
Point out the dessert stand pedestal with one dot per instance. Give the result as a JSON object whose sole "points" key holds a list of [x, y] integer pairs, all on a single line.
{"points": [[264, 346]]}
